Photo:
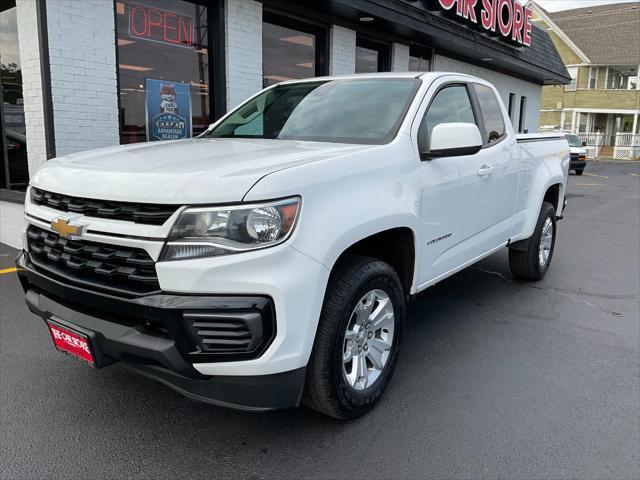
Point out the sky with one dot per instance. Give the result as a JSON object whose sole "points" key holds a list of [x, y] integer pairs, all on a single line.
{"points": [[556, 5]]}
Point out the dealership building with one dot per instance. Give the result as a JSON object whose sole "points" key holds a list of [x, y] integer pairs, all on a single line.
{"points": [[76, 74]]}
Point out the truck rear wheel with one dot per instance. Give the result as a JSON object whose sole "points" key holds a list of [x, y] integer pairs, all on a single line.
{"points": [[533, 263], [356, 345], [579, 171]]}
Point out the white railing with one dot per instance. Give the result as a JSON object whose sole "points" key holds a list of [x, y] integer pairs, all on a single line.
{"points": [[592, 143], [591, 139], [627, 146], [627, 139]]}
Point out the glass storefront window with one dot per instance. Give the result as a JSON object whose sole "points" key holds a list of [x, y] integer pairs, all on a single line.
{"points": [[290, 50], [419, 58], [14, 169], [164, 40], [371, 56], [366, 60]]}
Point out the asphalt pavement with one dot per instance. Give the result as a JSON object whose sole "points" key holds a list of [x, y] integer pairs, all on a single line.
{"points": [[496, 378]]}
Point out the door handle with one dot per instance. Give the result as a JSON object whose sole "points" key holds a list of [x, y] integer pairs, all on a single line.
{"points": [[485, 170]]}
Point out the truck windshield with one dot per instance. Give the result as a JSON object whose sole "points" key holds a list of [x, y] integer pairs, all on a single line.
{"points": [[574, 141], [366, 110]]}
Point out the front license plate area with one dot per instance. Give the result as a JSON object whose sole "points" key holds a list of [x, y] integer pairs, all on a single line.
{"points": [[72, 342]]}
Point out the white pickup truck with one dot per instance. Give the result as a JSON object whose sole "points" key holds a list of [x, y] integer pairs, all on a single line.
{"points": [[268, 262]]}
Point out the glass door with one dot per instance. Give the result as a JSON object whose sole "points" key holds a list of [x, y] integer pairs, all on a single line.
{"points": [[291, 49], [166, 41], [14, 167]]}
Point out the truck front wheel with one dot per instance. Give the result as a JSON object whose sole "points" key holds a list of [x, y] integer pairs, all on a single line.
{"points": [[356, 345], [533, 262]]}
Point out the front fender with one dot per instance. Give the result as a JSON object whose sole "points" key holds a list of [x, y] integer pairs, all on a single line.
{"points": [[347, 199]]}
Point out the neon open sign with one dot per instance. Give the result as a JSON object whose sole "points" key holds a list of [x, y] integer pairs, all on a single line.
{"points": [[162, 26], [505, 17]]}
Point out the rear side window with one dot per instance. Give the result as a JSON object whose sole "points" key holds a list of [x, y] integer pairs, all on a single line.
{"points": [[491, 114], [450, 105]]}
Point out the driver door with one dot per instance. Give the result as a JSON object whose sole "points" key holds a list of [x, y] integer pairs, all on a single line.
{"points": [[457, 193]]}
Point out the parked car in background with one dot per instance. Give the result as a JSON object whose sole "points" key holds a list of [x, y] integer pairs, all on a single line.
{"points": [[578, 154], [268, 261]]}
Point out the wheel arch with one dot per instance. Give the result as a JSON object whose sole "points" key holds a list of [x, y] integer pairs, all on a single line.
{"points": [[554, 194], [395, 246]]}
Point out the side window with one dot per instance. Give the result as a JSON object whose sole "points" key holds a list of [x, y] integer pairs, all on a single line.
{"points": [[491, 114], [450, 105]]}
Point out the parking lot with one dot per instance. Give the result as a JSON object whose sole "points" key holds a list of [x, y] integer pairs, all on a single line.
{"points": [[496, 379]]}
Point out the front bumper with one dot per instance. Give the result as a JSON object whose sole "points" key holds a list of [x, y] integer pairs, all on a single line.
{"points": [[577, 164], [148, 334]]}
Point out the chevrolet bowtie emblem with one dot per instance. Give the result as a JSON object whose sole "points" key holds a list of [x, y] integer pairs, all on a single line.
{"points": [[65, 230]]}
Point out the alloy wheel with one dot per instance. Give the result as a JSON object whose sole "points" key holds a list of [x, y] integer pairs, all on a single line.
{"points": [[368, 340]]}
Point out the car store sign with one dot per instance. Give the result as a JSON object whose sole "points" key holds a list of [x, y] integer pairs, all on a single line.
{"points": [[507, 18]]}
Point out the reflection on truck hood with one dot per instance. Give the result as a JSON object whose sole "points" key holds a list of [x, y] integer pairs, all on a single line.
{"points": [[578, 150], [182, 171]]}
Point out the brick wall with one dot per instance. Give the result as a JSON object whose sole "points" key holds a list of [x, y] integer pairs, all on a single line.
{"points": [[82, 55], [342, 55], [31, 82], [505, 85], [243, 50], [12, 216], [399, 58]]}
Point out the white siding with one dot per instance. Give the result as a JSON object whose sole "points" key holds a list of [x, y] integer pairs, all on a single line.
{"points": [[11, 222], [505, 85], [82, 54], [342, 55], [399, 58], [243, 50]]}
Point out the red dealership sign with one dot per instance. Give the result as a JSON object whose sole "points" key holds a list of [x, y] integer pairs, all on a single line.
{"points": [[507, 18], [150, 23]]}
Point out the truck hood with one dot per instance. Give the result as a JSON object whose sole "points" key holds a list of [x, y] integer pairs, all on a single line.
{"points": [[178, 172], [578, 150]]}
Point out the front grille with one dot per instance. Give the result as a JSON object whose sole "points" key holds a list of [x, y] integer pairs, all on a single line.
{"points": [[225, 332], [145, 213], [124, 270]]}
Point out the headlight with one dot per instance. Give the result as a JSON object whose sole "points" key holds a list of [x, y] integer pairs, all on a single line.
{"points": [[213, 231]]}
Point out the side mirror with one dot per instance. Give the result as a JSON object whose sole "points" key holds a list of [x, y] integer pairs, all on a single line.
{"points": [[454, 139]]}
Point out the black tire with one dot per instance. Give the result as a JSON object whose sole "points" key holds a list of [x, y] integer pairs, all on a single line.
{"points": [[326, 389], [525, 264], [579, 171]]}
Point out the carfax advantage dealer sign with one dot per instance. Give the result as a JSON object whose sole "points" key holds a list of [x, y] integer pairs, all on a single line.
{"points": [[168, 107]]}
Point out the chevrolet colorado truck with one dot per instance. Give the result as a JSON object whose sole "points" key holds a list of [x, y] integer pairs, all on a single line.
{"points": [[267, 262]]}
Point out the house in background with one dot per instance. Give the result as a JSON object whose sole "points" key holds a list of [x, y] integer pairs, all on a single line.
{"points": [[600, 47]]}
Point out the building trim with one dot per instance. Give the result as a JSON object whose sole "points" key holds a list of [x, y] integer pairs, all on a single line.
{"points": [[600, 110], [117, 57], [589, 78], [45, 73]]}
